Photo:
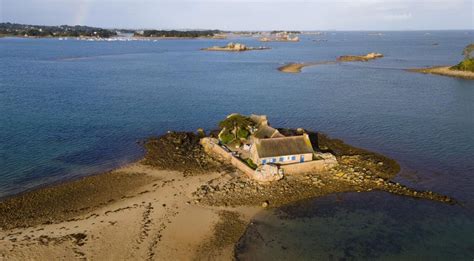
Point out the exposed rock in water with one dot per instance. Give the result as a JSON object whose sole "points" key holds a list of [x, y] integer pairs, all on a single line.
{"points": [[179, 151], [234, 47], [359, 58]]}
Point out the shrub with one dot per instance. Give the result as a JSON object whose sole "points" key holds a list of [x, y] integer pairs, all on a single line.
{"points": [[242, 133], [251, 164], [466, 65], [226, 137]]}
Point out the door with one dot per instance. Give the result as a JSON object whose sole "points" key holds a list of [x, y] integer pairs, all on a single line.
{"points": [[302, 158]]}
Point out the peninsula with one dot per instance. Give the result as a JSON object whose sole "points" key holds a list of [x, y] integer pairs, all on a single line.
{"points": [[235, 47], [192, 195], [465, 69]]}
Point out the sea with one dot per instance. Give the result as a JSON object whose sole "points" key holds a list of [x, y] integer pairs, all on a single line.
{"points": [[74, 108]]}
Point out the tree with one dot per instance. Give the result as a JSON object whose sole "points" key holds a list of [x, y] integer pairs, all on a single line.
{"points": [[235, 122], [468, 50]]}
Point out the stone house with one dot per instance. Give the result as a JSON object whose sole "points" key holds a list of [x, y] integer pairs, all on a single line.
{"points": [[281, 150]]}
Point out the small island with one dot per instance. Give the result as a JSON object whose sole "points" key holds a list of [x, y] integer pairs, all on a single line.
{"points": [[235, 47], [193, 194], [281, 36], [297, 67], [464, 70], [359, 58], [292, 67]]}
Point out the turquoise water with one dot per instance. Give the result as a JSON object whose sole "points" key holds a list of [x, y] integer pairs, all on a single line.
{"points": [[74, 108]]}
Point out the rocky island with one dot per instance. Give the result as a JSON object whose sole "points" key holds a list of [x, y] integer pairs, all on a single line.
{"points": [[465, 69], [281, 36], [359, 58], [235, 47], [297, 67], [192, 195]]}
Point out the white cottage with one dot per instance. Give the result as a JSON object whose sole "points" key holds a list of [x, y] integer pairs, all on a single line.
{"points": [[281, 150]]}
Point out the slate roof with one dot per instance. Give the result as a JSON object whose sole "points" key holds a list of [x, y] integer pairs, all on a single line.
{"points": [[283, 146]]}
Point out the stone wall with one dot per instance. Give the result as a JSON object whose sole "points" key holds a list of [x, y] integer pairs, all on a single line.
{"points": [[309, 166], [326, 162], [211, 146]]}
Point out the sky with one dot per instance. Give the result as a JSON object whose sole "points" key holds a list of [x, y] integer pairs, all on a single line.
{"points": [[245, 14]]}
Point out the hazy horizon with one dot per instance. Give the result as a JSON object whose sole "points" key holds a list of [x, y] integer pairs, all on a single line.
{"points": [[235, 15]]}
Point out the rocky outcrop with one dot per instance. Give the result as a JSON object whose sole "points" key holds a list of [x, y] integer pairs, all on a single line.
{"points": [[359, 58], [234, 47]]}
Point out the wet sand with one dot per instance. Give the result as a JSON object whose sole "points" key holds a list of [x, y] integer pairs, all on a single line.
{"points": [[445, 71], [155, 218], [198, 210], [297, 67]]}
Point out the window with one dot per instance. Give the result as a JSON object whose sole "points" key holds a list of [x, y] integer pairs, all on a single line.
{"points": [[293, 157], [264, 161], [274, 160], [282, 159]]}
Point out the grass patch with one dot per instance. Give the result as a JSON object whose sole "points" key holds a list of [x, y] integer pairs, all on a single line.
{"points": [[251, 163]]}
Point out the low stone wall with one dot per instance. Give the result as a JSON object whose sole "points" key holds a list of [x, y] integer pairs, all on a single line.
{"points": [[309, 166], [211, 146], [326, 162]]}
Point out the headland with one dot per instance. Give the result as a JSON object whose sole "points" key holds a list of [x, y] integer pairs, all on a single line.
{"points": [[445, 71]]}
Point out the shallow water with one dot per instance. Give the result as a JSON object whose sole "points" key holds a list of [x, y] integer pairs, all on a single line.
{"points": [[366, 226], [74, 108]]}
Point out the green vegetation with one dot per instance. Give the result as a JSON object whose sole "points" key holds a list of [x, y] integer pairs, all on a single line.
{"points": [[226, 137], [11, 29], [236, 126], [243, 133], [251, 164], [468, 51], [176, 33], [468, 63]]}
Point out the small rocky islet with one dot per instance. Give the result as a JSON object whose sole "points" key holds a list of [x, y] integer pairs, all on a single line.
{"points": [[359, 170], [235, 47], [297, 67]]}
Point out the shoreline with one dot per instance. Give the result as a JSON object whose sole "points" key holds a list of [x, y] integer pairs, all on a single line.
{"points": [[297, 67], [142, 210], [444, 71]]}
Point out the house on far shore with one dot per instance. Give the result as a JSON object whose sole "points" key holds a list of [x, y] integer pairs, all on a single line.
{"points": [[282, 150]]}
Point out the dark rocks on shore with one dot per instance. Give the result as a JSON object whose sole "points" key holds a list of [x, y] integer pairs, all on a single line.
{"points": [[180, 151], [67, 201]]}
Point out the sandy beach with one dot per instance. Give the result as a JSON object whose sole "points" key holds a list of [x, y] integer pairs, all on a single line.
{"points": [[176, 204], [158, 220], [445, 71]]}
